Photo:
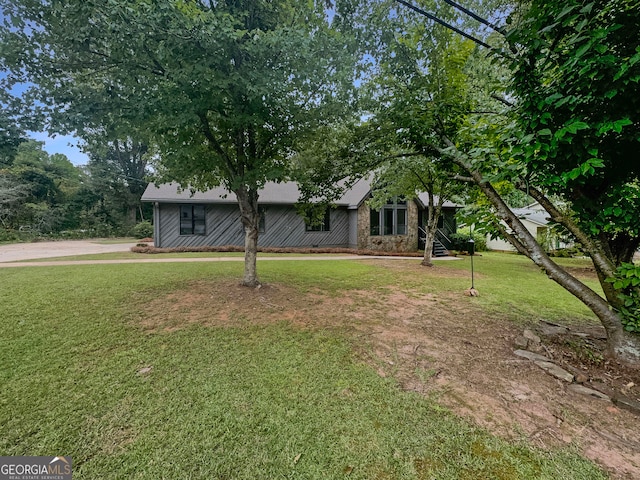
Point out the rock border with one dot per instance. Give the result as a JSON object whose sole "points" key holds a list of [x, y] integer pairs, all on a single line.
{"points": [[575, 383]]}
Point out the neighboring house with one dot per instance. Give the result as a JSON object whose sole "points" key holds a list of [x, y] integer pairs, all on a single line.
{"points": [[212, 218], [536, 220]]}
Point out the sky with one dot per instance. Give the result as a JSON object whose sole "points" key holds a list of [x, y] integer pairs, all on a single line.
{"points": [[65, 144]]}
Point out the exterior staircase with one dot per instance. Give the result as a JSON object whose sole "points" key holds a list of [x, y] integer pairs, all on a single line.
{"points": [[439, 250]]}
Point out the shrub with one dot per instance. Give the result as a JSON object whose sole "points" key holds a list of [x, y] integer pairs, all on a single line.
{"points": [[16, 236], [569, 252], [460, 241], [142, 230], [627, 282]]}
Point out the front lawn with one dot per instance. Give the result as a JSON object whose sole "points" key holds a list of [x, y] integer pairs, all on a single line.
{"points": [[85, 371]]}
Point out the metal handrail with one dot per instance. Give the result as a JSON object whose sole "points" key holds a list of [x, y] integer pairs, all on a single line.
{"points": [[439, 233]]}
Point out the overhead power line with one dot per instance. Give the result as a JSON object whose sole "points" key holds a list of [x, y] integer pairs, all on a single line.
{"points": [[493, 26], [461, 32], [445, 24]]}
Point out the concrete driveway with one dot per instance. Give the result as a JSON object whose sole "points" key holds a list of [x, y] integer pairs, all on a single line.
{"points": [[29, 251]]}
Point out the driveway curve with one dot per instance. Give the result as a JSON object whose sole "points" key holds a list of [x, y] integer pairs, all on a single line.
{"points": [[16, 252]]}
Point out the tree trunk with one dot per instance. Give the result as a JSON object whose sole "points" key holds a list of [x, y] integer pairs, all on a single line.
{"points": [[622, 346], [248, 203], [428, 249], [433, 214], [132, 211]]}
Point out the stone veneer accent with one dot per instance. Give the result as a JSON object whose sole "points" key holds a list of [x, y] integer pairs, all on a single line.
{"points": [[388, 243]]}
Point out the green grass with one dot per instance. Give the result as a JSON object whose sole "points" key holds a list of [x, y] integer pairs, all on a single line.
{"points": [[147, 256], [512, 284], [252, 402]]}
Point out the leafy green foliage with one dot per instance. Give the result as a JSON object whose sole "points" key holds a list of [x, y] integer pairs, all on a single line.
{"points": [[37, 189], [576, 78], [11, 136], [225, 91], [118, 175], [461, 238], [143, 230], [627, 283]]}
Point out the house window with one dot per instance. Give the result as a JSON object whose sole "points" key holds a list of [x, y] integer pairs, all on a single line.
{"points": [[192, 220], [390, 219], [322, 226], [262, 216]]}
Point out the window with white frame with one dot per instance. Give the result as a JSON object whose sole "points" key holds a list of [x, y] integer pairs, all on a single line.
{"points": [[390, 219]]}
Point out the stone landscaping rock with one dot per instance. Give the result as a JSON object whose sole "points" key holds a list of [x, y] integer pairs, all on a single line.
{"points": [[553, 330], [582, 390], [556, 371], [532, 337], [603, 388], [520, 342], [580, 375], [531, 356], [626, 403], [535, 347]]}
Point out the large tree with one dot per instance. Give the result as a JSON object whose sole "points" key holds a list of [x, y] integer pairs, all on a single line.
{"points": [[44, 184], [224, 89], [569, 130], [576, 77], [550, 110], [118, 170]]}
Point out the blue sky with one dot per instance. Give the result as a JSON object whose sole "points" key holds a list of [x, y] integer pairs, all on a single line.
{"points": [[65, 144]]}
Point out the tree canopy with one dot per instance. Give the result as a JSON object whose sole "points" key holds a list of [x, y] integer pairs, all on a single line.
{"points": [[543, 112], [225, 90], [569, 136]]}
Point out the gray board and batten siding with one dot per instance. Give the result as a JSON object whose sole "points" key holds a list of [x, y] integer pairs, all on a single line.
{"points": [[283, 226]]}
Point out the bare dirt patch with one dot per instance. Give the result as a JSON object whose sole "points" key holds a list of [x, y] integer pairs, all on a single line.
{"points": [[444, 347]]}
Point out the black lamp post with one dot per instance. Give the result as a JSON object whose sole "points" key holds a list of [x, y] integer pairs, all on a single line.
{"points": [[471, 250]]}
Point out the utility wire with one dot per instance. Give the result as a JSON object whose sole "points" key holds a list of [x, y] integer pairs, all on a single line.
{"points": [[493, 26], [445, 24]]}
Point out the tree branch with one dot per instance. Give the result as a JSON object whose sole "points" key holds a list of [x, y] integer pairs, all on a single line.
{"points": [[595, 251], [530, 247], [502, 100], [462, 178], [215, 145]]}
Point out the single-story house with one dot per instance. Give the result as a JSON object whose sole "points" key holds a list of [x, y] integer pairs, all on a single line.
{"points": [[212, 218], [536, 221]]}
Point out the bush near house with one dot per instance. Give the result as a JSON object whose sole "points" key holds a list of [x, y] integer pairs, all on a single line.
{"points": [[460, 241], [143, 230]]}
